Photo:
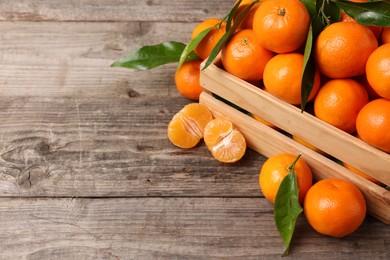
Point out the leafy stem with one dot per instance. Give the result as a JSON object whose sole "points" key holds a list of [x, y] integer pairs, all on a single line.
{"points": [[287, 207]]}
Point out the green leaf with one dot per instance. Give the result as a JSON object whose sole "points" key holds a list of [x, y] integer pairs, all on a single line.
{"points": [[369, 13], [309, 69], [310, 6], [229, 33], [189, 48], [287, 207], [230, 15], [149, 57]]}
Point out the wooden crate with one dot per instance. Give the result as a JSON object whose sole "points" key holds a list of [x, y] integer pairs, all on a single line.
{"points": [[267, 141]]}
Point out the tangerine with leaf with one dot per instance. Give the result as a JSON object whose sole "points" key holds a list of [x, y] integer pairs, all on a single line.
{"points": [[276, 167], [206, 45]]}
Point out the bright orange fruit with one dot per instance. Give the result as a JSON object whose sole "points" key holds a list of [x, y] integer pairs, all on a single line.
{"points": [[204, 48], [283, 78], [373, 124], [339, 101], [334, 207], [378, 70], [187, 79], [244, 57], [186, 128], [281, 25], [275, 168], [224, 140], [342, 49]]}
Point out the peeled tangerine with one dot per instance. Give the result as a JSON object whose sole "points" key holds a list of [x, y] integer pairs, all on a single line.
{"points": [[186, 128], [225, 142]]}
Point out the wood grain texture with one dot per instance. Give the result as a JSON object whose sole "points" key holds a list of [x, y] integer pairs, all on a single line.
{"points": [[170, 228], [73, 59], [112, 10], [109, 147]]}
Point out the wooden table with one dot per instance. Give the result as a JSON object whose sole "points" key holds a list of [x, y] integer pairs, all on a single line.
{"points": [[86, 168]]}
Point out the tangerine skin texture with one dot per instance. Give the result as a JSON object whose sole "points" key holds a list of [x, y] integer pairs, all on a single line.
{"points": [[339, 101], [187, 79], [281, 25], [274, 170], [342, 49], [334, 207], [244, 57], [373, 124], [283, 78], [378, 70], [207, 44]]}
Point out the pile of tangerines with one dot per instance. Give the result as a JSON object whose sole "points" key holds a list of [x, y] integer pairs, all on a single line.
{"points": [[351, 91]]}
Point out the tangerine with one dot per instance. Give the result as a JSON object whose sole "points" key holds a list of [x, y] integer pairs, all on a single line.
{"points": [[276, 167], [187, 79], [206, 45], [373, 124], [334, 207], [186, 127], [377, 30], [342, 49], [386, 35], [281, 25], [225, 142], [247, 22], [378, 70], [283, 78], [244, 57], [339, 101]]}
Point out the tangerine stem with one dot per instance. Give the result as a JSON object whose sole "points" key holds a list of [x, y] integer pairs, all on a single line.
{"points": [[291, 167], [282, 12]]}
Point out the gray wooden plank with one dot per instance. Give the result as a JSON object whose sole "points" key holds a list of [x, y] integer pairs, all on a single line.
{"points": [[112, 10], [168, 228], [73, 59], [109, 147]]}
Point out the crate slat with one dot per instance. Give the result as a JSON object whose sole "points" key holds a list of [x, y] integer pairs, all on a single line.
{"points": [[268, 141], [329, 139]]}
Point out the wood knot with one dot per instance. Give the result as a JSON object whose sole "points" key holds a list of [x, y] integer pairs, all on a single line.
{"points": [[31, 176]]}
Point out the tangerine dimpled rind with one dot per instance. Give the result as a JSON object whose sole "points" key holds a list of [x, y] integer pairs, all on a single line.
{"points": [[275, 169], [378, 70], [339, 101], [244, 57], [206, 45], [334, 207], [373, 124], [281, 26], [283, 78], [187, 79], [341, 50]]}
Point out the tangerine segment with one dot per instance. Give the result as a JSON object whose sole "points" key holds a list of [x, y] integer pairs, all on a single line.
{"points": [[281, 25], [275, 168], [186, 128], [334, 207], [373, 124], [224, 141]]}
